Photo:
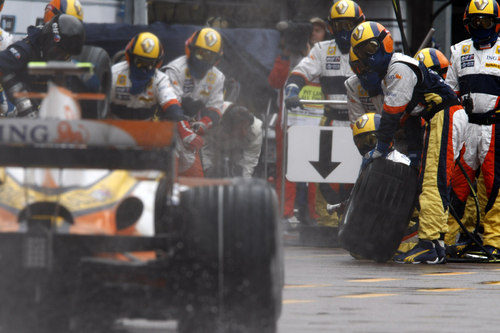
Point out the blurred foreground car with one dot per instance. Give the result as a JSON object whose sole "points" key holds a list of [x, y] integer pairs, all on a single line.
{"points": [[82, 245]]}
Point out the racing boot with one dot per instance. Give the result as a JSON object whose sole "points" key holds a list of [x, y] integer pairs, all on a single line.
{"points": [[425, 252]]}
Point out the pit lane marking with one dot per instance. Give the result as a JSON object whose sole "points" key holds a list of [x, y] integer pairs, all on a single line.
{"points": [[370, 295], [299, 286], [297, 301], [374, 280], [448, 274], [317, 256], [493, 283], [443, 290]]}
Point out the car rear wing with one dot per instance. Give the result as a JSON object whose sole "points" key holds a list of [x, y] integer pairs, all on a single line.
{"points": [[100, 144]]}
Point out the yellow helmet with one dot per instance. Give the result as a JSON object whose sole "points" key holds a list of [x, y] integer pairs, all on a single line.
{"points": [[205, 45], [364, 132], [344, 15], [57, 7], [482, 14], [145, 51], [434, 59]]}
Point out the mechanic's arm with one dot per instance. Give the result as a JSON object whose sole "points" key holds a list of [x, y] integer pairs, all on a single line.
{"points": [[452, 73], [308, 69], [14, 60], [211, 113], [170, 106], [400, 81]]}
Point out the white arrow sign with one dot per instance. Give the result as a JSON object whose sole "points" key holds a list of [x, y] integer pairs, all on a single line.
{"points": [[322, 154]]}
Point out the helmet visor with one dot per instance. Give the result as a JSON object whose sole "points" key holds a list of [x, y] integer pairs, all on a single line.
{"points": [[441, 71], [365, 142], [358, 67], [145, 63], [367, 48], [482, 22], [343, 25], [206, 56]]}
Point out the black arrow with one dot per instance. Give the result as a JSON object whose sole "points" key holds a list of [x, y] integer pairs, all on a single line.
{"points": [[325, 166]]}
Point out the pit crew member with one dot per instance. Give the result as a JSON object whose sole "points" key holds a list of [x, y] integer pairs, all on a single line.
{"points": [[363, 97], [474, 75], [233, 147], [405, 83], [58, 39], [139, 89], [328, 62], [198, 85]]}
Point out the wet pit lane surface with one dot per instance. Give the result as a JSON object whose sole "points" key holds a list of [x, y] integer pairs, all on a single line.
{"points": [[326, 290]]}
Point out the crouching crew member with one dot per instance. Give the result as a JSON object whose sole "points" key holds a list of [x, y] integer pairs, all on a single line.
{"points": [[198, 85], [139, 89], [406, 83]]}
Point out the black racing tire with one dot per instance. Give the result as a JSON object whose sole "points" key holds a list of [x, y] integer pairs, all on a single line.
{"points": [[94, 109], [379, 210], [231, 283]]}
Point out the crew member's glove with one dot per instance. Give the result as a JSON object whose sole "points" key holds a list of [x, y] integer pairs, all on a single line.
{"points": [[292, 99], [380, 150], [188, 136], [191, 107], [432, 100], [200, 127], [468, 104]]}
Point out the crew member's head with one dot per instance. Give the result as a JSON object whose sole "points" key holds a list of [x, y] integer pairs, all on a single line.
{"points": [[236, 121], [144, 54], [57, 7], [203, 51], [372, 43], [364, 132], [62, 37], [482, 21], [344, 16], [318, 33], [434, 59]]}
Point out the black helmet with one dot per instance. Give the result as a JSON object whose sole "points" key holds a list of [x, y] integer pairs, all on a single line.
{"points": [[62, 37]]}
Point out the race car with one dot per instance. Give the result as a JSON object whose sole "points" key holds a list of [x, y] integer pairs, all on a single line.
{"points": [[86, 237]]}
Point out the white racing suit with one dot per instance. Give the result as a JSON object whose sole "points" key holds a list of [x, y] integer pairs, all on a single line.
{"points": [[208, 91], [328, 66], [475, 74], [158, 99]]}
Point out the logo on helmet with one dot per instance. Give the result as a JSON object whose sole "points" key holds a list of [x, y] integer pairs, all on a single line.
{"points": [[362, 121], [78, 8], [481, 4], [55, 31], [341, 7], [358, 33], [421, 57], [148, 45], [210, 38]]}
